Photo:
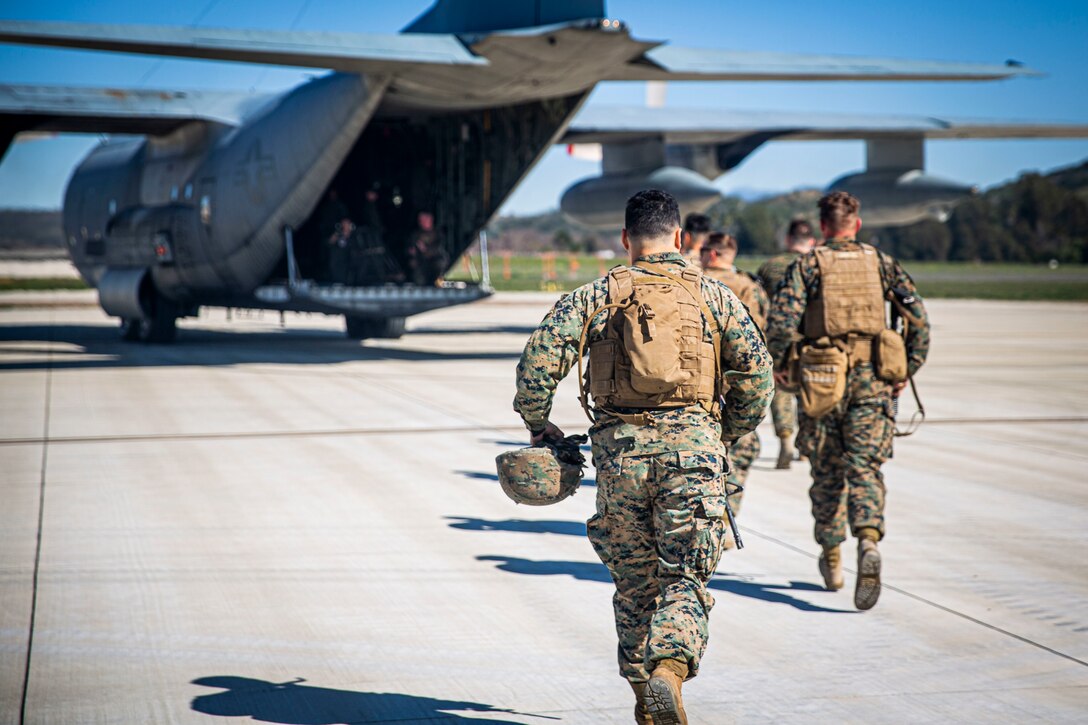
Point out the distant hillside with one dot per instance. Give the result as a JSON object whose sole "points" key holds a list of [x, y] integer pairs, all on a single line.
{"points": [[758, 226], [547, 232], [1074, 178], [1033, 219], [31, 233]]}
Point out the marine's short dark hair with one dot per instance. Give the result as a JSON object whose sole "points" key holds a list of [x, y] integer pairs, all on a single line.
{"points": [[720, 242], [838, 210], [799, 229], [696, 223], [651, 213]]}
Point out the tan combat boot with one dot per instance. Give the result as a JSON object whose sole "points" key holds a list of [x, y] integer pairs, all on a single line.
{"points": [[831, 569], [662, 698], [642, 717], [785, 453], [867, 590]]}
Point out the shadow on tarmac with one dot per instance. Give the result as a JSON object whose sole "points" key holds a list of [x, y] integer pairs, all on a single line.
{"points": [[564, 528], [521, 444], [292, 346], [491, 330], [295, 704], [741, 586]]}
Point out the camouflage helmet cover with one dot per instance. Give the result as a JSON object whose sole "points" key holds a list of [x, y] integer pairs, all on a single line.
{"points": [[542, 474]]}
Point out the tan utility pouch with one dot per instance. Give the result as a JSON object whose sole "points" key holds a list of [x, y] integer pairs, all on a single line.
{"points": [[793, 368], [890, 356], [823, 379]]}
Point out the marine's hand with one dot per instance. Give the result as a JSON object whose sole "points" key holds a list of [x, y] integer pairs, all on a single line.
{"points": [[897, 388], [781, 377], [551, 430]]}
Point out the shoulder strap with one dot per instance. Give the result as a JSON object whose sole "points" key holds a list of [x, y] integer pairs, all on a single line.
{"points": [[619, 288], [882, 266], [620, 284], [819, 254]]}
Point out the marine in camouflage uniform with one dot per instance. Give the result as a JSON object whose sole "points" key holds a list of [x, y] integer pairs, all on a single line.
{"points": [[784, 404], [717, 258], [696, 232], [772, 273], [848, 445], [660, 498]]}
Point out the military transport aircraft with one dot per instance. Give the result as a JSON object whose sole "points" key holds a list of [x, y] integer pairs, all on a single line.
{"points": [[645, 147], [353, 193]]}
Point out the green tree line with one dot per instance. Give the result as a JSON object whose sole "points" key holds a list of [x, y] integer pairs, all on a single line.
{"points": [[1034, 219]]}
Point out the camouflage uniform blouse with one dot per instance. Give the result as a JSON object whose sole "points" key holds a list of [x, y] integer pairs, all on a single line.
{"points": [[773, 272], [552, 350]]}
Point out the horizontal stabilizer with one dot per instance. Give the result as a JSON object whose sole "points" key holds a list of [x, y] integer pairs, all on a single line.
{"points": [[670, 63], [349, 52]]}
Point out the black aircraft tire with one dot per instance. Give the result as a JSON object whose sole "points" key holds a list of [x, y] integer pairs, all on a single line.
{"points": [[130, 330], [160, 326], [392, 328], [363, 328], [159, 329]]}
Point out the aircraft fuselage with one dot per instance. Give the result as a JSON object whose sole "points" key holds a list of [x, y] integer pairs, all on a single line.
{"points": [[198, 217]]}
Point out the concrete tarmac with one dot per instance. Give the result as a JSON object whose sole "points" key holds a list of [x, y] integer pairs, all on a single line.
{"points": [[280, 525]]}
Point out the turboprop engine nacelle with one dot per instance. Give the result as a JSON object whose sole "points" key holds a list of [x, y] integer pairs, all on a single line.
{"points": [[896, 197], [600, 201]]}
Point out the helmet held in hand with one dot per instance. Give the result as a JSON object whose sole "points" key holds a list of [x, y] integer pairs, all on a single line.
{"points": [[543, 474]]}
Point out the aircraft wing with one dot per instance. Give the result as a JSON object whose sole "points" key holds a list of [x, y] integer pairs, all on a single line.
{"points": [[618, 125], [114, 110], [348, 52], [671, 63], [436, 71]]}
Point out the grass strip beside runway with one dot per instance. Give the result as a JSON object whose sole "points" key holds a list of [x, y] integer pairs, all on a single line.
{"points": [[952, 280]]}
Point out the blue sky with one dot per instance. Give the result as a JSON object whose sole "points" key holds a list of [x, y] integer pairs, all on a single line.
{"points": [[1049, 36]]}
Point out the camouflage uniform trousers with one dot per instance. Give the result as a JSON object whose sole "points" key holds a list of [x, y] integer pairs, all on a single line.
{"points": [[658, 528], [784, 413], [846, 449], [742, 454]]}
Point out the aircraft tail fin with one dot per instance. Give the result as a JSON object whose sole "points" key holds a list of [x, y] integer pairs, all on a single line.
{"points": [[484, 16]]}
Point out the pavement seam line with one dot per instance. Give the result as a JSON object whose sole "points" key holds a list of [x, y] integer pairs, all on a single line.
{"points": [[929, 602], [41, 519], [155, 437], [422, 430]]}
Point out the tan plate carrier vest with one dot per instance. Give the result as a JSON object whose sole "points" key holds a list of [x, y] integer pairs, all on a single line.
{"points": [[653, 354], [850, 303], [745, 288]]}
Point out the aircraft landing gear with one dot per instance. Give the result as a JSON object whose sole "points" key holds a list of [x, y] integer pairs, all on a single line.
{"points": [[361, 328], [158, 326]]}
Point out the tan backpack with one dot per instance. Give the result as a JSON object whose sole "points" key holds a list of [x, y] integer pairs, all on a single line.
{"points": [[653, 354]]}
